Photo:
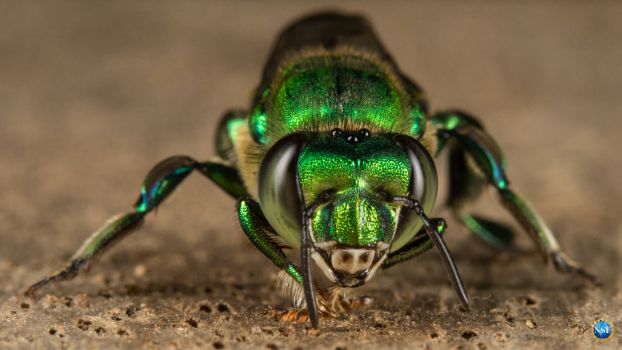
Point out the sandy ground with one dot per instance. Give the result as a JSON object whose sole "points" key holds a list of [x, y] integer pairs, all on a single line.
{"points": [[93, 94]]}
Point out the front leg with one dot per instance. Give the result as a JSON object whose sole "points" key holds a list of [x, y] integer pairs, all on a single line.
{"points": [[260, 233], [490, 162], [331, 301]]}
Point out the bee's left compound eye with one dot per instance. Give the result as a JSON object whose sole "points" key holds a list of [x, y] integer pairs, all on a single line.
{"points": [[423, 179], [423, 186], [279, 192]]}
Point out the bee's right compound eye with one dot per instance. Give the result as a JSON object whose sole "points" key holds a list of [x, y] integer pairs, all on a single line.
{"points": [[279, 191]]}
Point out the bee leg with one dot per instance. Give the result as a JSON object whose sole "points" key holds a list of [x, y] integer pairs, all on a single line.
{"points": [[466, 184], [157, 186], [226, 134], [262, 235], [329, 302], [540, 232], [488, 159], [335, 300]]}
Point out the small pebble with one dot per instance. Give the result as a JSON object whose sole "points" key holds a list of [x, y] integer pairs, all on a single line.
{"points": [[313, 332], [82, 301], [140, 270], [530, 324]]}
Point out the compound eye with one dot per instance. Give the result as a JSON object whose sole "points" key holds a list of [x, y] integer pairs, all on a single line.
{"points": [[279, 192], [423, 187], [423, 180]]}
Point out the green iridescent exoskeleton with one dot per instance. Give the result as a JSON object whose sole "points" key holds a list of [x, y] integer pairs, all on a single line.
{"points": [[355, 172], [324, 90], [334, 160]]}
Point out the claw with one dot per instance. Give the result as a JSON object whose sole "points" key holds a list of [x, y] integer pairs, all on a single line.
{"points": [[295, 316], [334, 301], [564, 264], [66, 273], [360, 302]]}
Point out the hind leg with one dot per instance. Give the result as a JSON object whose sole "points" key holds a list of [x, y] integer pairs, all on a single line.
{"points": [[488, 160], [159, 183]]}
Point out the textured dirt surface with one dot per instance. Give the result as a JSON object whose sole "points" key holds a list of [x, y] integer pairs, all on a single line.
{"points": [[93, 94]]}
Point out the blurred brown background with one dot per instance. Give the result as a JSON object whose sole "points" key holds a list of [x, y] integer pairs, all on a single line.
{"points": [[92, 94]]}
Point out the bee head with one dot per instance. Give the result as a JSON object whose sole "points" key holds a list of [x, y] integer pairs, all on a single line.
{"points": [[348, 178]]}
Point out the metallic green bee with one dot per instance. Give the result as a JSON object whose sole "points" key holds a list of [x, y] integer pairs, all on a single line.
{"points": [[335, 158]]}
